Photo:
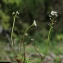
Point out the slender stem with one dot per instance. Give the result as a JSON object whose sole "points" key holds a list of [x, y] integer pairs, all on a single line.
{"points": [[50, 30], [28, 29], [24, 42], [12, 35], [49, 36], [24, 51], [12, 31], [42, 57]]}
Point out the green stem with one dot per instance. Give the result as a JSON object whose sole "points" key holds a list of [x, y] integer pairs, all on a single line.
{"points": [[12, 31], [24, 42], [12, 35], [24, 51], [47, 47], [28, 28], [49, 33]]}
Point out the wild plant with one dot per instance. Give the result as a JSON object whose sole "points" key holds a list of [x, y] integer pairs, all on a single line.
{"points": [[22, 58], [17, 56]]}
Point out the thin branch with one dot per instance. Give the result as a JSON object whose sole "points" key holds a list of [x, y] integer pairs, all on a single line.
{"points": [[38, 52]]}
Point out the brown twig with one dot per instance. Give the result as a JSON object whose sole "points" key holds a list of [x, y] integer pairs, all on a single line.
{"points": [[38, 52]]}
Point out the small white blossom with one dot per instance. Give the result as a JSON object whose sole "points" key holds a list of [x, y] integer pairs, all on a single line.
{"points": [[26, 34], [54, 13], [17, 12], [34, 23], [50, 16], [13, 13], [32, 39], [15, 41]]}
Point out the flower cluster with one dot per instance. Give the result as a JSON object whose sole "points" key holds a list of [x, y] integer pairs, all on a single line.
{"points": [[54, 13], [15, 14], [52, 16]]}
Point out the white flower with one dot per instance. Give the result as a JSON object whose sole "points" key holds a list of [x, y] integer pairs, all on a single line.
{"points": [[32, 39], [17, 12], [13, 13], [26, 34], [15, 41], [54, 13], [50, 16], [34, 23]]}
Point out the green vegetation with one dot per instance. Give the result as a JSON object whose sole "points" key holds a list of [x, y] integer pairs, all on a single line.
{"points": [[43, 37]]}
